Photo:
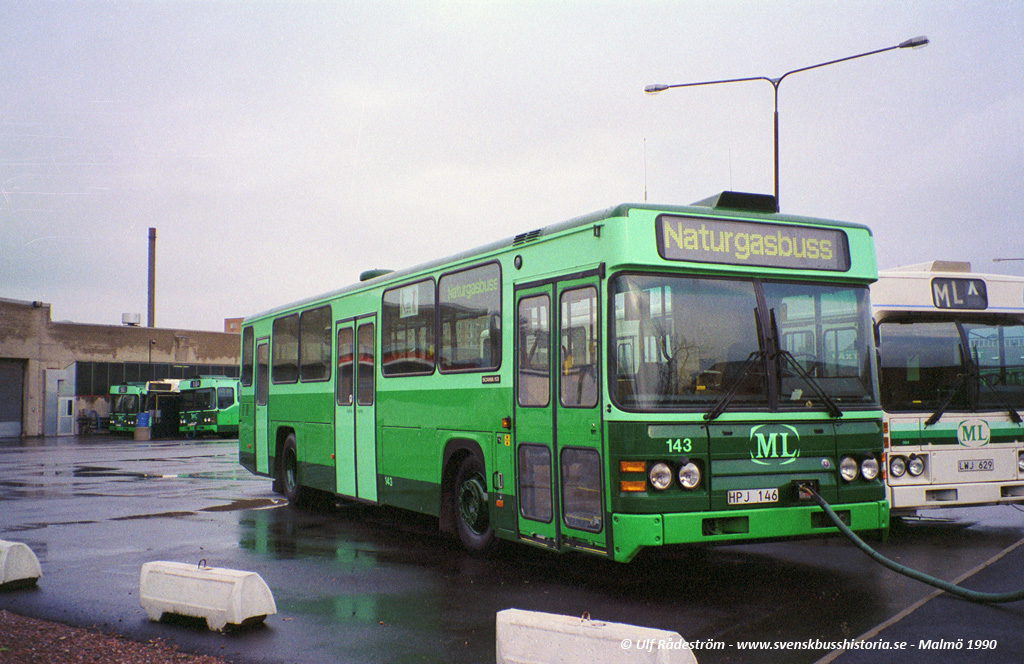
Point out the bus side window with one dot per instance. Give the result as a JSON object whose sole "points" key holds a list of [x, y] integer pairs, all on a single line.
{"points": [[578, 361], [534, 339], [364, 382], [225, 397], [345, 364]]}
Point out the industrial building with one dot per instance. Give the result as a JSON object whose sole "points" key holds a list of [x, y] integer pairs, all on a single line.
{"points": [[52, 372]]}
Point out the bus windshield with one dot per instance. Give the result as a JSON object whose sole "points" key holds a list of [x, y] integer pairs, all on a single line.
{"points": [[683, 343], [924, 365], [125, 403], [201, 399]]}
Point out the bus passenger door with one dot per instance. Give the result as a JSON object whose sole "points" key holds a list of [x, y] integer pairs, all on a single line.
{"points": [[577, 405], [260, 425], [366, 414], [344, 410], [536, 492], [355, 436]]}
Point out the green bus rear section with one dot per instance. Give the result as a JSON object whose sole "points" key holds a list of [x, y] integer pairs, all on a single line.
{"points": [[424, 424]]}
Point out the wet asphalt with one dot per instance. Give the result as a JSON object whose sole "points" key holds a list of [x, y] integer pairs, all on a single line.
{"points": [[359, 583]]}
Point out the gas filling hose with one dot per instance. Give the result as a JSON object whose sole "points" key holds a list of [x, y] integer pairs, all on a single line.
{"points": [[962, 593]]}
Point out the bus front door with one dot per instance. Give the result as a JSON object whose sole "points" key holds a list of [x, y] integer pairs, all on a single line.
{"points": [[355, 442], [577, 410], [558, 429]]}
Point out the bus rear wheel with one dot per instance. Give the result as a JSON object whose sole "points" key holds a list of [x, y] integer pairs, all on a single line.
{"points": [[472, 508], [288, 471]]}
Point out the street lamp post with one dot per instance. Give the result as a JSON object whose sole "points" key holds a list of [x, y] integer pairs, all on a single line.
{"points": [[916, 42]]}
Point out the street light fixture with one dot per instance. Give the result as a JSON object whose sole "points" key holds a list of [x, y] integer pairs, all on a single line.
{"points": [[916, 42]]}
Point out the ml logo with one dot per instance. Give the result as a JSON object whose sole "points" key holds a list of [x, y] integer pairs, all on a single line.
{"points": [[973, 433], [774, 444]]}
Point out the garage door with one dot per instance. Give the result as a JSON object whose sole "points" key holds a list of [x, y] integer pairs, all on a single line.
{"points": [[12, 380]]}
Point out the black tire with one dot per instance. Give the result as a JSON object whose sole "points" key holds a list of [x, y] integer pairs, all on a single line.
{"points": [[472, 506], [288, 471]]}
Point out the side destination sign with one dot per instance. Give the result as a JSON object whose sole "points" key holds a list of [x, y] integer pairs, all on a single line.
{"points": [[707, 240]]}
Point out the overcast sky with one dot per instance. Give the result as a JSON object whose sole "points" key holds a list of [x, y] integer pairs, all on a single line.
{"points": [[281, 148]]}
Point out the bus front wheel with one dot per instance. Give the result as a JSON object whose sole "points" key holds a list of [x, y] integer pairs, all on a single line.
{"points": [[472, 508]]}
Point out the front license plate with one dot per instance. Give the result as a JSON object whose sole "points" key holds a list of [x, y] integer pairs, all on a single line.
{"points": [[968, 465], [752, 496]]}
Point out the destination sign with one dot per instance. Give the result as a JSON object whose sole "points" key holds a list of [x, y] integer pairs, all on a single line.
{"points": [[708, 240], [959, 293]]}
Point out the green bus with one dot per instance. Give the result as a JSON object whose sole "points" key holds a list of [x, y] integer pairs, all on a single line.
{"points": [[209, 405], [641, 376], [126, 402]]}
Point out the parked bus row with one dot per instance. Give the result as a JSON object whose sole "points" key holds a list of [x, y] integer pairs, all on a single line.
{"points": [[192, 407]]}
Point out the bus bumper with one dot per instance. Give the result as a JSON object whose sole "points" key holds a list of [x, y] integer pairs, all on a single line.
{"points": [[634, 531], [909, 498]]}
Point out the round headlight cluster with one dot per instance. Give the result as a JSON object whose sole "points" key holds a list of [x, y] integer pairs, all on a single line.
{"points": [[850, 468], [869, 468], [914, 465], [660, 475], [689, 475]]}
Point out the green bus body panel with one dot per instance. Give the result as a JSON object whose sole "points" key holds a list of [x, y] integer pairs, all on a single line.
{"points": [[418, 418]]}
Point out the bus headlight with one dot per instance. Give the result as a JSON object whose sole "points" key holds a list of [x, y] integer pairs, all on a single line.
{"points": [[897, 466], [660, 476], [869, 468], [916, 465], [689, 475], [848, 468]]}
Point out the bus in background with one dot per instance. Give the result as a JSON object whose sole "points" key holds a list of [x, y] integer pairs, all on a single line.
{"points": [[163, 402], [126, 402], [951, 356], [209, 405], [641, 376]]}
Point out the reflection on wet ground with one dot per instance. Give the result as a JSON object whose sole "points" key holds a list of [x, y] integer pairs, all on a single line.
{"points": [[361, 583]]}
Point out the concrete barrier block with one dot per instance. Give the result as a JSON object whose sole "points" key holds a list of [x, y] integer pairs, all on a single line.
{"points": [[19, 566], [528, 637], [221, 596]]}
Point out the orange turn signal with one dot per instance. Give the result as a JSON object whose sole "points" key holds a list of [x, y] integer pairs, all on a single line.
{"points": [[632, 467], [632, 487]]}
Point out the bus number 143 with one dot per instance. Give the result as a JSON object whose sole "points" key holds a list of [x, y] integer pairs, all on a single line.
{"points": [[679, 445]]}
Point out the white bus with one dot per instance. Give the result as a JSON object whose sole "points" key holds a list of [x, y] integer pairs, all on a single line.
{"points": [[951, 358]]}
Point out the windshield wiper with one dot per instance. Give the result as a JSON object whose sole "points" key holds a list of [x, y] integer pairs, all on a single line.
{"points": [[724, 400], [954, 387], [1014, 415], [830, 405]]}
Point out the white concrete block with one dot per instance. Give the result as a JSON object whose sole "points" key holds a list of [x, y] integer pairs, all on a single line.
{"points": [[528, 637], [221, 596], [19, 566]]}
